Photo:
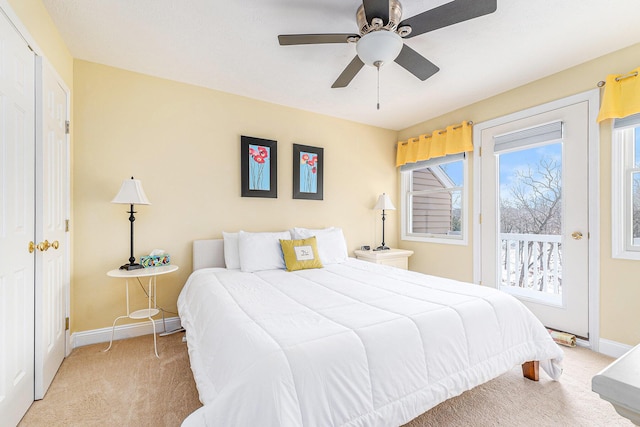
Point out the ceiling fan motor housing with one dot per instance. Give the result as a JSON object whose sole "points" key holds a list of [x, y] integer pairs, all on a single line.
{"points": [[395, 15]]}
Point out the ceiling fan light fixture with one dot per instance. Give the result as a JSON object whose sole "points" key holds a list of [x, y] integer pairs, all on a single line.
{"points": [[379, 46]]}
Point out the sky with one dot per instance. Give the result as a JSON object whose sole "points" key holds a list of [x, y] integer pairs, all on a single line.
{"points": [[511, 162]]}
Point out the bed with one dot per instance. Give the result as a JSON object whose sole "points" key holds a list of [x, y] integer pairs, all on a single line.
{"points": [[349, 344]]}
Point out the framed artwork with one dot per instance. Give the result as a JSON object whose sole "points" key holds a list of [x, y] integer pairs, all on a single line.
{"points": [[259, 167], [308, 167]]}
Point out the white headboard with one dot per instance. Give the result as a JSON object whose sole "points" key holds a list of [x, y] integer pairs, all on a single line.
{"points": [[208, 254]]}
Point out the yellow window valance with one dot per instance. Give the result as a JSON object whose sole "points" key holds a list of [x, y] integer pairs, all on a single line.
{"points": [[452, 140], [621, 96]]}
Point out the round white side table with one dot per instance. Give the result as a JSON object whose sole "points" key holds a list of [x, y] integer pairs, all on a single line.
{"points": [[152, 308]]}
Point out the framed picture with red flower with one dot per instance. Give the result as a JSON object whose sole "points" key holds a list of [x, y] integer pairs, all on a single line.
{"points": [[259, 167], [308, 167]]}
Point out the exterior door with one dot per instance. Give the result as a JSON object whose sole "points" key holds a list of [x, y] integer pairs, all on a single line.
{"points": [[52, 205], [17, 153], [534, 230]]}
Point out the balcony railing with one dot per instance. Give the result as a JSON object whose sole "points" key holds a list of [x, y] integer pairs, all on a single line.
{"points": [[532, 261]]}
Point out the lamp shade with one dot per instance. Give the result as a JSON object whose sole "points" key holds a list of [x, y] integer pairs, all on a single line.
{"points": [[131, 193], [384, 203], [383, 46]]}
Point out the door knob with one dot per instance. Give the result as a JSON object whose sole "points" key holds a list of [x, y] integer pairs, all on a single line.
{"points": [[55, 244], [576, 235], [43, 246], [32, 247]]}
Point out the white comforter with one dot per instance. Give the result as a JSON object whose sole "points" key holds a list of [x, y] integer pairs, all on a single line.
{"points": [[352, 344]]}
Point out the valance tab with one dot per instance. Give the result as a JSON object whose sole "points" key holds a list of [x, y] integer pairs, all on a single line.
{"points": [[621, 96], [452, 140]]}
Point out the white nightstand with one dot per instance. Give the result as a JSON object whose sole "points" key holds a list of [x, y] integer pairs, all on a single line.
{"points": [[152, 309], [394, 257]]}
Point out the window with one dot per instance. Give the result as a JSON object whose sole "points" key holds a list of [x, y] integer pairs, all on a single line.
{"points": [[434, 199], [625, 209]]}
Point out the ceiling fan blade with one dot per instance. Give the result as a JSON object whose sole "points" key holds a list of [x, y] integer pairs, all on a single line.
{"points": [[376, 9], [349, 73], [293, 39], [448, 14], [416, 64]]}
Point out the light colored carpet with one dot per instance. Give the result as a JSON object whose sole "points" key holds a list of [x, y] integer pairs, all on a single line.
{"points": [[128, 386]]}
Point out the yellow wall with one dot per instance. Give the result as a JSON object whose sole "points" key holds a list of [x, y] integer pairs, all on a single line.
{"points": [[619, 287], [183, 142]]}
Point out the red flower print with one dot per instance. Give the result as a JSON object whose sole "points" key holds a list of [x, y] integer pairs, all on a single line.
{"points": [[258, 161], [308, 172]]}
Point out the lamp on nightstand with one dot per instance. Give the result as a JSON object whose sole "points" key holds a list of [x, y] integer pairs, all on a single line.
{"points": [[384, 203], [131, 193]]}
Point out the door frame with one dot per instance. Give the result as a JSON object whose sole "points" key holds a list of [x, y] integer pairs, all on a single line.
{"points": [[593, 99]]}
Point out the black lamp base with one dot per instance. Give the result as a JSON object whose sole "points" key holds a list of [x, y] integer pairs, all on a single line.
{"points": [[133, 266], [382, 248]]}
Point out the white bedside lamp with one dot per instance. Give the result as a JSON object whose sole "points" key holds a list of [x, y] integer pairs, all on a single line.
{"points": [[384, 203], [131, 193]]}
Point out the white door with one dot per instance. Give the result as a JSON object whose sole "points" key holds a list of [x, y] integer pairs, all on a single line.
{"points": [[17, 154], [534, 207], [52, 205]]}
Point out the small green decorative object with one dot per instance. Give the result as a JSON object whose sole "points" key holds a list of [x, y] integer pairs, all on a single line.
{"points": [[155, 260]]}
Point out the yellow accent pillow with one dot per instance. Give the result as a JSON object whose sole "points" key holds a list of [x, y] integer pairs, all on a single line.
{"points": [[300, 254]]}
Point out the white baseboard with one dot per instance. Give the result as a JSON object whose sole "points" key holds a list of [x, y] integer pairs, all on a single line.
{"points": [[95, 336], [613, 348]]}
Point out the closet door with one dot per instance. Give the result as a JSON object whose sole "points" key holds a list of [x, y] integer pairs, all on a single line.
{"points": [[52, 211], [17, 170]]}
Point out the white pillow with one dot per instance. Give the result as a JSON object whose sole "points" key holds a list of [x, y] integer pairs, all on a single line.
{"points": [[261, 251], [332, 247], [231, 251]]}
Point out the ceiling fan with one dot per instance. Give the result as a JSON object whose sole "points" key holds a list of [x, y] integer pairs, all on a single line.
{"points": [[382, 32]]}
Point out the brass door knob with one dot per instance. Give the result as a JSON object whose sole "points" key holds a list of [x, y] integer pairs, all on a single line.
{"points": [[576, 235], [32, 247], [55, 244], [43, 246]]}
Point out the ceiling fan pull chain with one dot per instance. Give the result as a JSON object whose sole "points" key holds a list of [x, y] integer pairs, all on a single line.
{"points": [[377, 64]]}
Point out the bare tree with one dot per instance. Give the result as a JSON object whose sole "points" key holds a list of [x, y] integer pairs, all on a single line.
{"points": [[636, 206], [535, 202], [533, 206]]}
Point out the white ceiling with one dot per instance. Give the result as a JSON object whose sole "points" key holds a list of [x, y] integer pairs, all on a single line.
{"points": [[232, 46]]}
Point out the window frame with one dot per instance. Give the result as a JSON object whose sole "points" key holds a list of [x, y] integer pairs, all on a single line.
{"points": [[406, 214], [622, 170]]}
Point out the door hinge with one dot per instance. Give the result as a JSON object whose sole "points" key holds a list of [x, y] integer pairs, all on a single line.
{"points": [[480, 151], [66, 225], [480, 219], [66, 323], [67, 124]]}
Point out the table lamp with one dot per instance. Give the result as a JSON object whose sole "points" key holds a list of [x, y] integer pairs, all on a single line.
{"points": [[131, 193], [384, 203]]}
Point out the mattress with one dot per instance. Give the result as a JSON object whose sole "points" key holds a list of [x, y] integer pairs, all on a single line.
{"points": [[351, 344]]}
